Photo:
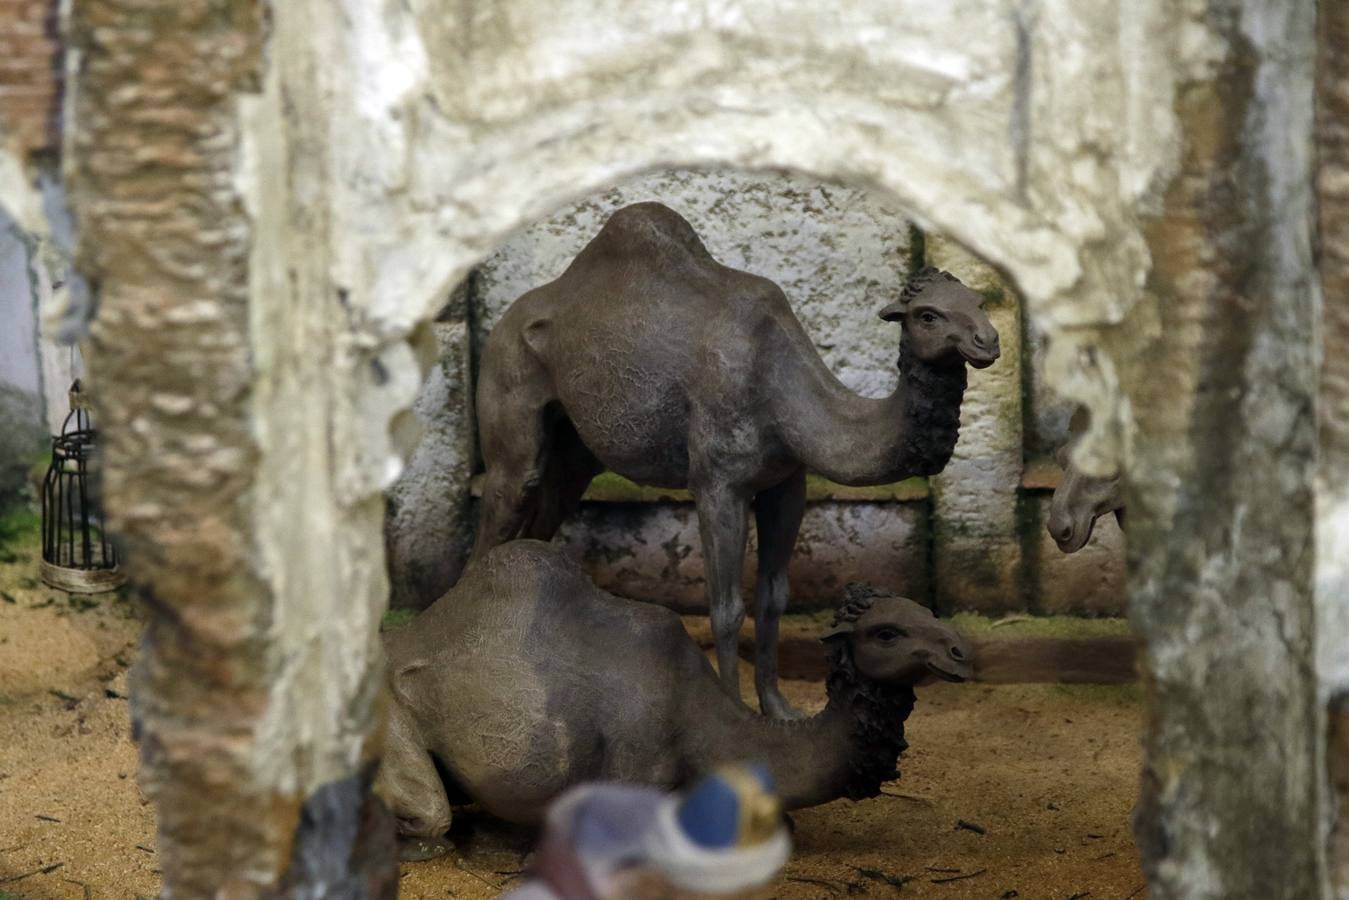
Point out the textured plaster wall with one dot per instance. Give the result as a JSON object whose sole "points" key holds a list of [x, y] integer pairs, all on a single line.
{"points": [[976, 545], [1046, 413], [36, 370], [1220, 558], [282, 211]]}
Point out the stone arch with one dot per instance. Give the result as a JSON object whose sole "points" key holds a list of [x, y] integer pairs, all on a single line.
{"points": [[397, 185], [1071, 286], [329, 175]]}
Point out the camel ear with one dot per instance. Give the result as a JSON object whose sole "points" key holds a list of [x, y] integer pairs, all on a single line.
{"points": [[842, 629], [895, 312], [400, 679]]}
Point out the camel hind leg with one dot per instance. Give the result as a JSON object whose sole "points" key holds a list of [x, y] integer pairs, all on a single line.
{"points": [[723, 518], [777, 517], [568, 471], [412, 786], [515, 447]]}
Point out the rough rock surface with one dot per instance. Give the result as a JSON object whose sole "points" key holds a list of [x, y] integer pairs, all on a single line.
{"points": [[428, 528], [652, 552], [1332, 562], [1220, 532]]}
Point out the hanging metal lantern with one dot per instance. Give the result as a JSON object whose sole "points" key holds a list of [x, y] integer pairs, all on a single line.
{"points": [[77, 556]]}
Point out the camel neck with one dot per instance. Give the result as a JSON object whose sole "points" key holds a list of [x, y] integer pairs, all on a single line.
{"points": [[856, 440], [847, 750]]}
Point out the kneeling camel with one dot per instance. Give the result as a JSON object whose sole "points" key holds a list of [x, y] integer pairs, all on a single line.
{"points": [[526, 679]]}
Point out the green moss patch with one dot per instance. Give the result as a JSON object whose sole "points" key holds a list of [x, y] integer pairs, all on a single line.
{"points": [[20, 534], [396, 618], [610, 487], [1018, 626], [976, 625]]}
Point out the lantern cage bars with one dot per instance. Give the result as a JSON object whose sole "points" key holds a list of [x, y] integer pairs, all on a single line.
{"points": [[77, 555]]}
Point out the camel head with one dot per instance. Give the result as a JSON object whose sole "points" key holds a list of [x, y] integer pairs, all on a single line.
{"points": [[1078, 502], [894, 640], [943, 320]]}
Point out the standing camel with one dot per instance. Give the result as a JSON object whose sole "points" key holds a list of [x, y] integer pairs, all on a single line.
{"points": [[649, 357]]}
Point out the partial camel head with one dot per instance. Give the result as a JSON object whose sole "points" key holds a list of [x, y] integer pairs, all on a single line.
{"points": [[896, 641], [1078, 502], [943, 320]]}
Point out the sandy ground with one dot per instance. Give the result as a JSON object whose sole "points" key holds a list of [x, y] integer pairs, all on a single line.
{"points": [[70, 810], [1047, 771]]}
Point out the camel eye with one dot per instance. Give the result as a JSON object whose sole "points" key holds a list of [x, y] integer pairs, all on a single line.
{"points": [[889, 633], [928, 318]]}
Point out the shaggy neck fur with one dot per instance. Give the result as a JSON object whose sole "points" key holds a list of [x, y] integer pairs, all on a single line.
{"points": [[930, 395], [847, 750], [877, 714]]}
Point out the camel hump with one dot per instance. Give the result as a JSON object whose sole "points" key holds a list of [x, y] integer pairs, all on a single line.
{"points": [[538, 563], [528, 552], [645, 228]]}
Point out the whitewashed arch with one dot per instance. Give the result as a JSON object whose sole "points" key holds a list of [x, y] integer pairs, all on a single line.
{"points": [[345, 163], [436, 129]]}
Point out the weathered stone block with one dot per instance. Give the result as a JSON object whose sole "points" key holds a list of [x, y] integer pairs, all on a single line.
{"points": [[651, 551], [976, 543]]}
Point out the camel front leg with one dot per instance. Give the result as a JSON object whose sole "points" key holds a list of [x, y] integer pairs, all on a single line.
{"points": [[411, 786], [516, 462], [777, 516], [723, 516]]}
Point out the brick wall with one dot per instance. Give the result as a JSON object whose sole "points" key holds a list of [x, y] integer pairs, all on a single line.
{"points": [[30, 74]]}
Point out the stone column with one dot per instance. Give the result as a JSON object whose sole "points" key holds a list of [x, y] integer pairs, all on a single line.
{"points": [[975, 530], [1222, 384], [255, 694], [1332, 560]]}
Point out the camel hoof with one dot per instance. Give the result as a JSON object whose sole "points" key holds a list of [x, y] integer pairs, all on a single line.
{"points": [[774, 706], [416, 849]]}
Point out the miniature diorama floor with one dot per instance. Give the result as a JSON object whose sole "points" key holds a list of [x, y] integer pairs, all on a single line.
{"points": [[1042, 776]]}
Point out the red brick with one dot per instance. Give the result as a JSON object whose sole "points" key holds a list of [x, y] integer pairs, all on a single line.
{"points": [[30, 77]]}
